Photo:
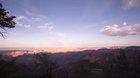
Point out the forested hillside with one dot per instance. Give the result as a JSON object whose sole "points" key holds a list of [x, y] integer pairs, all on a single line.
{"points": [[101, 63]]}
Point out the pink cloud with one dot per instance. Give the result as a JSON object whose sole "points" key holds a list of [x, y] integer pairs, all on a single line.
{"points": [[127, 4], [124, 30]]}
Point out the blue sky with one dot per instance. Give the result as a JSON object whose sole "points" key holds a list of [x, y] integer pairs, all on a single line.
{"points": [[73, 23]]}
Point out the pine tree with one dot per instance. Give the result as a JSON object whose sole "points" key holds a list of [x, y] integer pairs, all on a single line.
{"points": [[6, 21]]}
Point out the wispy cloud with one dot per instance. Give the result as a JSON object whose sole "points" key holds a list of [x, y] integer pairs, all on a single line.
{"points": [[30, 19], [32, 14], [127, 4], [123, 30], [60, 34], [50, 27], [27, 26], [40, 21], [19, 18], [36, 19], [20, 21], [47, 26], [26, 22]]}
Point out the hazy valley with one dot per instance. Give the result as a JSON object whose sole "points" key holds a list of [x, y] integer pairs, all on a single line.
{"points": [[101, 63]]}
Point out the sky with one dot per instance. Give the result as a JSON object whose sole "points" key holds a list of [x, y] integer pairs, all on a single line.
{"points": [[72, 23]]}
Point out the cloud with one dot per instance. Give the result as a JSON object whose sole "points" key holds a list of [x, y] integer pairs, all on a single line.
{"points": [[19, 18], [27, 26], [127, 4], [47, 25], [20, 21], [124, 30], [36, 19], [50, 27], [32, 14], [33, 19], [60, 34]]}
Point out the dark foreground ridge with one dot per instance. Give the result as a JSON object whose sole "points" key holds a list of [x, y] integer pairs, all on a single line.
{"points": [[101, 63]]}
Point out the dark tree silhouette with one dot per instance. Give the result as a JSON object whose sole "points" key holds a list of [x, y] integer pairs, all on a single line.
{"points": [[6, 21], [44, 65]]}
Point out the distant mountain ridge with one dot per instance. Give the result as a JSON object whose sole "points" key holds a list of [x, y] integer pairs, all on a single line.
{"points": [[101, 63], [63, 58]]}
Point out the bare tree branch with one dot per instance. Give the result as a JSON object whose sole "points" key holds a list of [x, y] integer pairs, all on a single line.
{"points": [[2, 35]]}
